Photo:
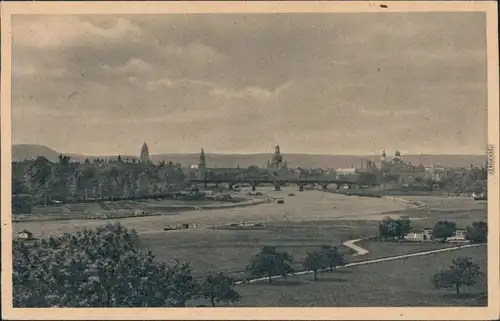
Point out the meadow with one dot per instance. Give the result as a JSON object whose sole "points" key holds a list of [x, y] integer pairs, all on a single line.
{"points": [[399, 283]]}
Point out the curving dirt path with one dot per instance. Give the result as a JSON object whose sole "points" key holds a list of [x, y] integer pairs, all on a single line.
{"points": [[392, 258], [359, 250]]}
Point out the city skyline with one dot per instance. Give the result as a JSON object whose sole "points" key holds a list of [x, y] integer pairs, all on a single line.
{"points": [[312, 83]]}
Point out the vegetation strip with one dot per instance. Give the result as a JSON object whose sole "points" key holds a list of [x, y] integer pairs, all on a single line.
{"points": [[392, 258]]}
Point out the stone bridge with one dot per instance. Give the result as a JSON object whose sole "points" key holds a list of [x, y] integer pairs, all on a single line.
{"points": [[280, 181]]}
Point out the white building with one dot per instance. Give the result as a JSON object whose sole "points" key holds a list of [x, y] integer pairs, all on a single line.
{"points": [[459, 236], [426, 235], [25, 235], [436, 173], [420, 236], [341, 173]]}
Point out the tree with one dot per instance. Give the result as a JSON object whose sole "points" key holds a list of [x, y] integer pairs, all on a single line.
{"points": [[478, 232], [314, 262], [404, 226], [388, 228], [219, 288], [332, 256], [269, 262], [462, 272], [443, 230], [96, 268]]}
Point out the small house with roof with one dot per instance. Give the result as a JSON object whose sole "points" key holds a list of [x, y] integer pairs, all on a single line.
{"points": [[25, 235]]}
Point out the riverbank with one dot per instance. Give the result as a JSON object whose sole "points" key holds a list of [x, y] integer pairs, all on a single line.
{"points": [[117, 210]]}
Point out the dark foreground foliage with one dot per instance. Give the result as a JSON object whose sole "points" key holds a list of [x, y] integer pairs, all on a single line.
{"points": [[96, 268]]}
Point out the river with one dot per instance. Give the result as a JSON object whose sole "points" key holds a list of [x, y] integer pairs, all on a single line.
{"points": [[307, 205]]}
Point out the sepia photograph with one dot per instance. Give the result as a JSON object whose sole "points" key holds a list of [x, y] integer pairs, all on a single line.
{"points": [[205, 156]]}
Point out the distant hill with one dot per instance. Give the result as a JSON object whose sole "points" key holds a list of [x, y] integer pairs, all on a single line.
{"points": [[27, 151]]}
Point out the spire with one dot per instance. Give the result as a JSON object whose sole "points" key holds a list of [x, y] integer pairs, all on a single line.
{"points": [[145, 153], [202, 163]]}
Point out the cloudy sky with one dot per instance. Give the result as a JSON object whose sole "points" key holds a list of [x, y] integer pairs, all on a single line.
{"points": [[240, 83]]}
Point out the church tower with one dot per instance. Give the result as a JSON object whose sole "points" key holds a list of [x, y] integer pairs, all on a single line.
{"points": [[145, 153], [383, 162], [277, 158], [203, 162]]}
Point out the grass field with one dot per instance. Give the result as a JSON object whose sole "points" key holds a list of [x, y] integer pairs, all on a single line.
{"points": [[378, 249], [231, 250], [404, 282]]}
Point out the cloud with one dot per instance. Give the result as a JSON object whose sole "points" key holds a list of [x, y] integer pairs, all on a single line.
{"points": [[311, 82], [54, 31], [133, 66], [253, 92], [194, 52], [164, 83]]}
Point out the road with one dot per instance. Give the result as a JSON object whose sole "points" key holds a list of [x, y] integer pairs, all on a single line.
{"points": [[385, 259]]}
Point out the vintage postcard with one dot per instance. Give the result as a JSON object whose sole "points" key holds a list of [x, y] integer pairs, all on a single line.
{"points": [[250, 160]]}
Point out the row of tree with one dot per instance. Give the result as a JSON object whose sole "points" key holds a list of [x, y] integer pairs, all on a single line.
{"points": [[456, 180], [65, 181], [42, 182], [466, 180], [271, 263], [396, 229], [105, 268]]}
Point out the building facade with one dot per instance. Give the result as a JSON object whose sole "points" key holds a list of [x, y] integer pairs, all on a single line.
{"points": [[396, 168], [277, 161]]}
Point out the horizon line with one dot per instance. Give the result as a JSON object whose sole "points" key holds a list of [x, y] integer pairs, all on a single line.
{"points": [[256, 153]]}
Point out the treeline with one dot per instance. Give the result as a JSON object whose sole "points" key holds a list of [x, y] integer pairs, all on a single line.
{"points": [[66, 181], [105, 268], [462, 180], [455, 180], [390, 229], [42, 182]]}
